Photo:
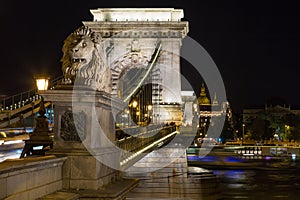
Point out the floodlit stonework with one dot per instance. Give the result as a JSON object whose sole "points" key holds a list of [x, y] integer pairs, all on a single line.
{"points": [[85, 156], [131, 35], [137, 14]]}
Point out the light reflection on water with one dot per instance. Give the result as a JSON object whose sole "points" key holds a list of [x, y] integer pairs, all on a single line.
{"points": [[235, 174], [265, 179], [259, 184]]}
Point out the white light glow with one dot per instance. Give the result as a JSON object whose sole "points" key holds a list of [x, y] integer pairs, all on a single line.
{"points": [[38, 148], [42, 84], [137, 14], [13, 142], [134, 104]]}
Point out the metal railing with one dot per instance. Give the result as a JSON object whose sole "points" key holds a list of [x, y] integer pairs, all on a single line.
{"points": [[19, 100], [17, 107], [141, 137]]}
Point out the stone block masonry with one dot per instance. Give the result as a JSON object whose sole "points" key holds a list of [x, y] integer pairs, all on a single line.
{"points": [[30, 178]]}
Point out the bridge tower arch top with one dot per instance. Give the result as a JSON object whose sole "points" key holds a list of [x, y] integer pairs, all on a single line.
{"points": [[111, 21], [137, 14]]}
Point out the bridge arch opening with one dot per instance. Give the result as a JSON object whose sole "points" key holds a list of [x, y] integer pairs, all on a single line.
{"points": [[125, 68]]}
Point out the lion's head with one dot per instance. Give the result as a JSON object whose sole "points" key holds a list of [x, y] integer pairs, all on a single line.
{"points": [[84, 60]]}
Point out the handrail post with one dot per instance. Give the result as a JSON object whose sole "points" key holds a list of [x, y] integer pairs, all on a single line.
{"points": [[12, 100]]}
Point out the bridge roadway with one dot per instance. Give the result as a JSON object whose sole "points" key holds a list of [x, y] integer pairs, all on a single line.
{"points": [[202, 186], [164, 174]]}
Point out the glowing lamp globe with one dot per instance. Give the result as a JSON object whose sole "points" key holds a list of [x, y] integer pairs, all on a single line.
{"points": [[134, 104], [42, 82]]}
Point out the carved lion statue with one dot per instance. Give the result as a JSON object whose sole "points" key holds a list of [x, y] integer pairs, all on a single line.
{"points": [[84, 61]]}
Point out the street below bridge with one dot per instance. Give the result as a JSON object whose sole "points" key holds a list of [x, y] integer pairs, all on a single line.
{"points": [[10, 154]]}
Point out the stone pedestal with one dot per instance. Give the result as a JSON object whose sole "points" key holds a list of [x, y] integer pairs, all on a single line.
{"points": [[85, 133]]}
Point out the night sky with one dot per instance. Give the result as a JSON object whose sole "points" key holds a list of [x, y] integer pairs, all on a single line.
{"points": [[255, 44]]}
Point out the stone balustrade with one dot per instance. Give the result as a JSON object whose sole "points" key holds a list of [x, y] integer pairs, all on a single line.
{"points": [[30, 178]]}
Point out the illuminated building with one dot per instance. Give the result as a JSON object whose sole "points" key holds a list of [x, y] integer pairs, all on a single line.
{"points": [[206, 109]]}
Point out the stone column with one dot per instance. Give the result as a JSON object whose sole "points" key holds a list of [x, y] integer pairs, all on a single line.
{"points": [[85, 133]]}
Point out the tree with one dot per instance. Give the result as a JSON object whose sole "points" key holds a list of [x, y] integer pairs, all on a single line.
{"points": [[257, 128], [291, 126], [265, 125], [227, 131]]}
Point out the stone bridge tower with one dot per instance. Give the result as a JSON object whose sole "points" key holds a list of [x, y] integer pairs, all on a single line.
{"points": [[131, 36]]}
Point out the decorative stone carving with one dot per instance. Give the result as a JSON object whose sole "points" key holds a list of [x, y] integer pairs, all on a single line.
{"points": [[135, 46], [84, 61], [73, 126]]}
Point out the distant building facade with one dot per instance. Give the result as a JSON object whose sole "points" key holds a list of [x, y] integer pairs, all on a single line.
{"points": [[278, 110]]}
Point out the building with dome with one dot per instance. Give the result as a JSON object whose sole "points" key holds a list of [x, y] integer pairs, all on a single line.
{"points": [[206, 109]]}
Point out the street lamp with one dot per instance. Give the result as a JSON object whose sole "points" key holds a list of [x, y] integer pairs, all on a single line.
{"points": [[39, 141], [137, 113], [127, 116], [134, 110], [42, 82], [243, 133], [134, 104], [149, 113]]}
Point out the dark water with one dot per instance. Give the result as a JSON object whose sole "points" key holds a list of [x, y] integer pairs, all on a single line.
{"points": [[259, 184]]}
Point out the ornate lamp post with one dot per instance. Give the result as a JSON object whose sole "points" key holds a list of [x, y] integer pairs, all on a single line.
{"points": [[40, 136], [137, 113], [149, 108], [134, 110], [243, 126], [127, 116]]}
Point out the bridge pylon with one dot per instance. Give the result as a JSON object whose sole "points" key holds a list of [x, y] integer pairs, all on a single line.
{"points": [[132, 36]]}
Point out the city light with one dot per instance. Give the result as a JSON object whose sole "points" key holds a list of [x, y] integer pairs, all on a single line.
{"points": [[134, 104]]}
